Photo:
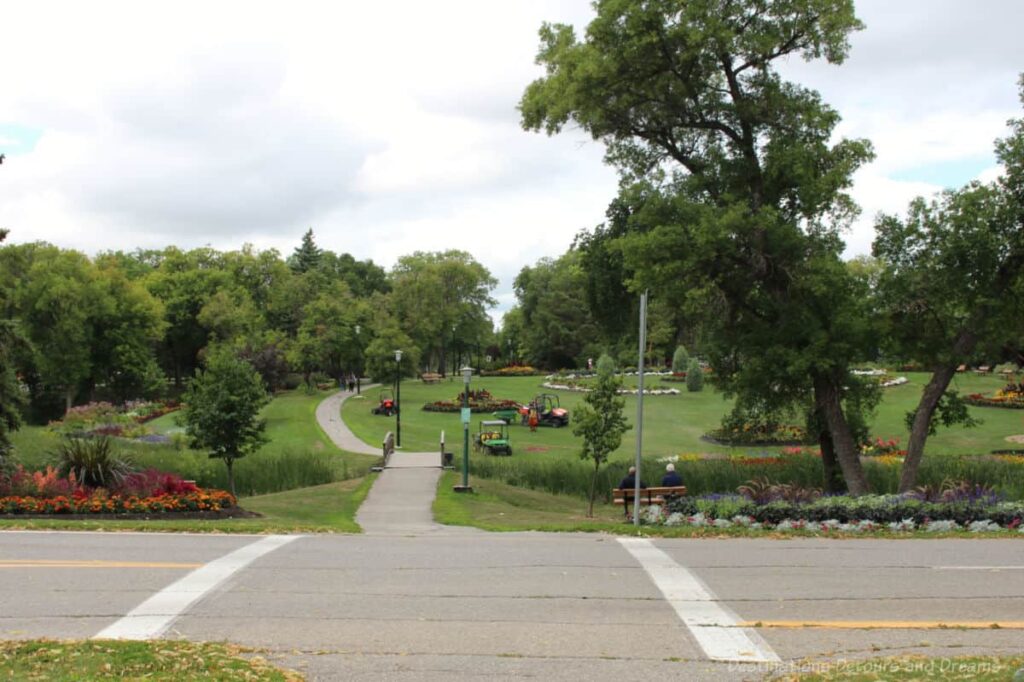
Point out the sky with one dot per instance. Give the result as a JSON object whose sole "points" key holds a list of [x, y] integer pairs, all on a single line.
{"points": [[392, 127]]}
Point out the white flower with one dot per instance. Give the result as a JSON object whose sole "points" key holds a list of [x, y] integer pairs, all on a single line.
{"points": [[831, 524], [698, 519], [904, 525], [675, 519], [983, 526], [652, 514], [849, 528], [867, 525], [813, 526], [722, 523], [745, 521], [941, 526]]}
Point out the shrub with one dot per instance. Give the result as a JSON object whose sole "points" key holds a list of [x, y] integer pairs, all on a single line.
{"points": [[680, 360], [92, 461], [694, 377], [605, 365]]}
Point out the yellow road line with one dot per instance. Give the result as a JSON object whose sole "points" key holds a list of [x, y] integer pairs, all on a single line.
{"points": [[887, 624], [90, 563]]}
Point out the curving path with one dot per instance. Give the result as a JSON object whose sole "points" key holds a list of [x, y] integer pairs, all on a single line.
{"points": [[402, 498]]}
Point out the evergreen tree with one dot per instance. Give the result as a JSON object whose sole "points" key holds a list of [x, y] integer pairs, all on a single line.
{"points": [[307, 256], [694, 377], [680, 359]]}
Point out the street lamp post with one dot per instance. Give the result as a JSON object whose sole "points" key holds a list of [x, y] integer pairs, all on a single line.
{"points": [[398, 398], [465, 488], [359, 357]]}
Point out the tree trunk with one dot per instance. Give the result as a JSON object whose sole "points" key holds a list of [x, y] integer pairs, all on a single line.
{"points": [[833, 475], [827, 400], [442, 367], [930, 397], [230, 462], [593, 489], [69, 399]]}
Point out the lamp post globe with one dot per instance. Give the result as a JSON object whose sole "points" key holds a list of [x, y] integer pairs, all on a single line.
{"points": [[398, 398]]}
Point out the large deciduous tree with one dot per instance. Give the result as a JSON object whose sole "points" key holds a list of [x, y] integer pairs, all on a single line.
{"points": [[440, 299], [738, 185], [952, 283]]}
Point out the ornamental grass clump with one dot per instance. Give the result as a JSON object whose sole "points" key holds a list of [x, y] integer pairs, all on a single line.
{"points": [[92, 462]]}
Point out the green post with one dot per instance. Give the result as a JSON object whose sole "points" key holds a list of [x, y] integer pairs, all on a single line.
{"points": [[465, 488]]}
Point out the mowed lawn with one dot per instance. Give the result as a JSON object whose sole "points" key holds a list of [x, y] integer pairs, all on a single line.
{"points": [[291, 429], [673, 424]]}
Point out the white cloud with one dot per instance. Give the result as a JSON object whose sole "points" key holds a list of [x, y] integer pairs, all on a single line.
{"points": [[391, 127]]}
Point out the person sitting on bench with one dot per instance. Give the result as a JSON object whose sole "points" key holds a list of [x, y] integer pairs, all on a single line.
{"points": [[671, 479], [629, 482]]}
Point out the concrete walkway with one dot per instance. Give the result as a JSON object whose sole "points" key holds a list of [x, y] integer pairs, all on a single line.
{"points": [[401, 500], [328, 414]]}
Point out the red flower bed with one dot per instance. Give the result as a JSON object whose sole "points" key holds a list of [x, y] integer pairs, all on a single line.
{"points": [[100, 503], [143, 492]]}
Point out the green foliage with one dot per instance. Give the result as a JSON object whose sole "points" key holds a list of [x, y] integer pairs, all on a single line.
{"points": [[601, 423], [680, 360], [440, 300], [694, 376], [380, 355], [93, 461], [733, 183], [222, 408], [556, 323], [307, 255], [605, 366], [11, 398]]}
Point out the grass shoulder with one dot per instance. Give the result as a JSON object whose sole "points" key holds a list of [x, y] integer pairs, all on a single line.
{"points": [[155, 660]]}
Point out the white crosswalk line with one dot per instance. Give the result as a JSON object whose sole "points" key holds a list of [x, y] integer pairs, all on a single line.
{"points": [[151, 618], [713, 625]]}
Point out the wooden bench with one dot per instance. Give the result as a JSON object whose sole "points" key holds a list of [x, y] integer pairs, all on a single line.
{"points": [[430, 377], [648, 496]]}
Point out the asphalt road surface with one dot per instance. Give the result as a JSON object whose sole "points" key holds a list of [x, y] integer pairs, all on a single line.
{"points": [[459, 604]]}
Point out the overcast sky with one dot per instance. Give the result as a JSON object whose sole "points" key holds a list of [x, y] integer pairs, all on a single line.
{"points": [[391, 127]]}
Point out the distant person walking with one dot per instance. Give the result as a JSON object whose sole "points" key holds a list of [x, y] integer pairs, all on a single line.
{"points": [[351, 383], [671, 479], [534, 419]]}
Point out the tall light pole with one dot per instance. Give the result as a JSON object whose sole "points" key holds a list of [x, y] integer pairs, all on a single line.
{"points": [[398, 398], [359, 359], [467, 372], [640, 408]]}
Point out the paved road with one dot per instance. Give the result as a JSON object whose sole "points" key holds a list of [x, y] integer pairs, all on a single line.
{"points": [[435, 604], [413, 600]]}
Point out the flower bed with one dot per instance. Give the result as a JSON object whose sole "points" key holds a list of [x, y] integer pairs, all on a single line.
{"points": [[1011, 397], [512, 371], [145, 492], [480, 400], [869, 512], [579, 387], [106, 419], [97, 503], [758, 434]]}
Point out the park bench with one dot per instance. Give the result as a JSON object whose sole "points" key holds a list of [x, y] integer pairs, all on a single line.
{"points": [[430, 377], [648, 496]]}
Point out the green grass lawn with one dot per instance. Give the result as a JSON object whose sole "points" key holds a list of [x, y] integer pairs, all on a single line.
{"points": [[170, 661], [298, 453], [672, 424]]}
